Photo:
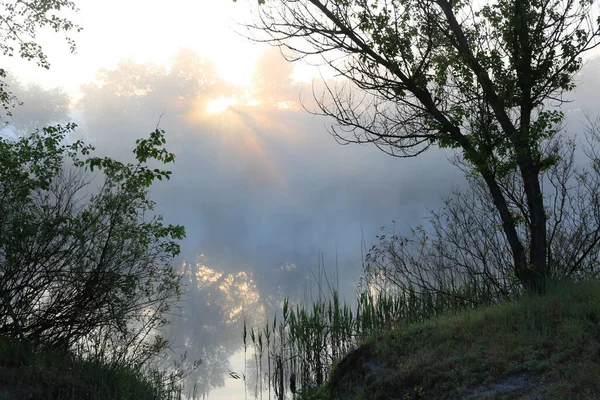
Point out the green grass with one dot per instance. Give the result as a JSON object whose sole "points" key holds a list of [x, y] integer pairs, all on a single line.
{"points": [[531, 347], [28, 372]]}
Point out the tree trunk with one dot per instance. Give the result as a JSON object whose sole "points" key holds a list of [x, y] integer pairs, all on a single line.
{"points": [[532, 275], [508, 225], [13, 315], [536, 273]]}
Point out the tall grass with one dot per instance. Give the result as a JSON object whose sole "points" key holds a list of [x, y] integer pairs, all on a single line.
{"points": [[308, 339], [29, 371]]}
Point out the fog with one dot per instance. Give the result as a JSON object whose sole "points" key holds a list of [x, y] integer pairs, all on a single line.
{"points": [[267, 196]]}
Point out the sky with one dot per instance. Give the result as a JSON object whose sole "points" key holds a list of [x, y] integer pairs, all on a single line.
{"points": [[260, 185], [149, 31]]}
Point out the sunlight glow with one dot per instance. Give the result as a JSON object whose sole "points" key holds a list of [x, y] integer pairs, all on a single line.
{"points": [[236, 292], [286, 105], [244, 127], [220, 105]]}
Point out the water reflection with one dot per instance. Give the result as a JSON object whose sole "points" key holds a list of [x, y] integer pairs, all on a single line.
{"points": [[214, 306]]}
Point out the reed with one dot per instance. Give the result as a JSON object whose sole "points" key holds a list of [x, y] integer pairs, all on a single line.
{"points": [[309, 338]]}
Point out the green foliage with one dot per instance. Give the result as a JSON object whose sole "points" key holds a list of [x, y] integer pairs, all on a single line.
{"points": [[20, 22], [33, 161], [85, 269], [109, 255]]}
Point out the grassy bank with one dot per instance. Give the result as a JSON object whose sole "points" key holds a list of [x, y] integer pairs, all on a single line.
{"points": [[308, 339], [532, 347], [28, 372]]}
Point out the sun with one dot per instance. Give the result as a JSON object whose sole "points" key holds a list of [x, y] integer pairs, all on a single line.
{"points": [[219, 105]]}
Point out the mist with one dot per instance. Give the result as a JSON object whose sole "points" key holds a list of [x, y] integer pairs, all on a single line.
{"points": [[267, 196]]}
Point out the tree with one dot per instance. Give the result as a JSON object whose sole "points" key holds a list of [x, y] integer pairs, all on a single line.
{"points": [[19, 24], [453, 74], [38, 107], [134, 93], [465, 248], [84, 260], [80, 266]]}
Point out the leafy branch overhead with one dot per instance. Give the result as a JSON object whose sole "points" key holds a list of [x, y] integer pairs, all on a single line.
{"points": [[20, 22], [146, 149]]}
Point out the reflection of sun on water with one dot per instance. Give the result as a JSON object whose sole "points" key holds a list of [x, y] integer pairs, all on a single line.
{"points": [[238, 295], [219, 105]]}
